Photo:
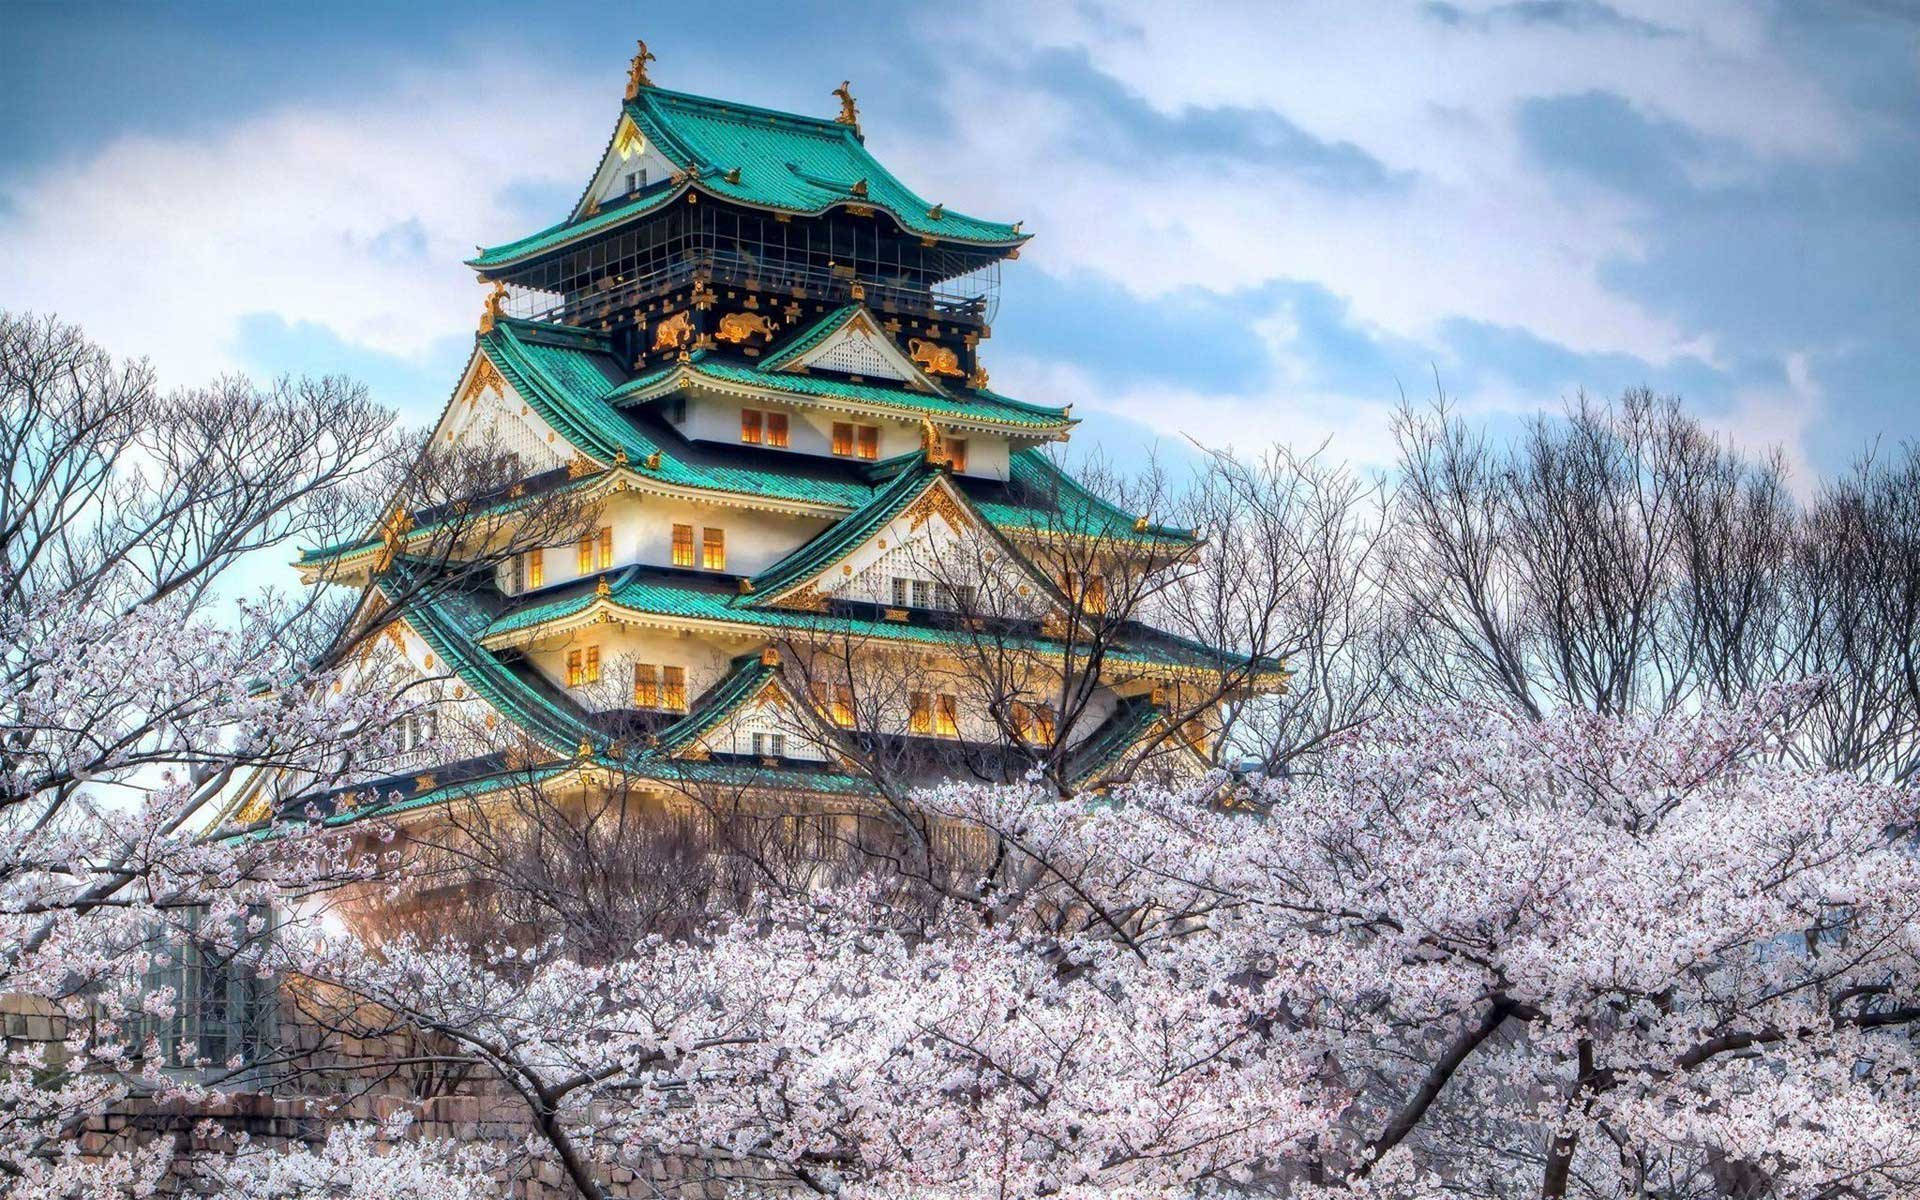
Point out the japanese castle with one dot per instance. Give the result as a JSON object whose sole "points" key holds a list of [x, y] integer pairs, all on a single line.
{"points": [[757, 356]]}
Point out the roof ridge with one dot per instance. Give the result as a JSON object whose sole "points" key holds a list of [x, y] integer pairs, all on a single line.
{"points": [[730, 107]]}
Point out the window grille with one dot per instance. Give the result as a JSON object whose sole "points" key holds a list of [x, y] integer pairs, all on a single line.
{"points": [[222, 1008], [713, 549], [683, 545]]}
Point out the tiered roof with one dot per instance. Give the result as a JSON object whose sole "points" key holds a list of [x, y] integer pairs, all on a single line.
{"points": [[570, 378], [759, 158], [608, 410]]}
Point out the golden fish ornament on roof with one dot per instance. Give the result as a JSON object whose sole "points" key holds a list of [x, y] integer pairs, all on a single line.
{"points": [[637, 70], [849, 111]]}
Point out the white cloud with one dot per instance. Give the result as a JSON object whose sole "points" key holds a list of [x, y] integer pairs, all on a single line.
{"points": [[1480, 233], [354, 216]]}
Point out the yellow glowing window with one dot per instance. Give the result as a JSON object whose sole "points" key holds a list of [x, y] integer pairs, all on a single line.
{"points": [[536, 568], [713, 549], [946, 715], [957, 453], [584, 555], [1089, 591], [576, 668], [842, 438], [673, 688], [605, 547], [919, 713], [646, 685], [777, 429], [593, 664], [683, 545], [869, 441], [1036, 722], [750, 425]]}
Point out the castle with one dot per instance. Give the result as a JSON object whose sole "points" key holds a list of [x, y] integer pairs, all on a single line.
{"points": [[754, 357]]}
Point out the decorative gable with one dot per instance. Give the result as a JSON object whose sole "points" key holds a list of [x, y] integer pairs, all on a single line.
{"points": [[486, 411], [631, 164], [856, 347], [752, 729]]}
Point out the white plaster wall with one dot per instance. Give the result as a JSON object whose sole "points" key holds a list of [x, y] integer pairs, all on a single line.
{"points": [[621, 646], [643, 524], [810, 431]]}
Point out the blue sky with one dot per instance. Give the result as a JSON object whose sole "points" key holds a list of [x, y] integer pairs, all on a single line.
{"points": [[1254, 223]]}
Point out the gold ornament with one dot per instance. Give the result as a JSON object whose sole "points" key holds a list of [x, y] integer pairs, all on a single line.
{"points": [[849, 111], [933, 358], [674, 333], [738, 327], [637, 71], [492, 312]]}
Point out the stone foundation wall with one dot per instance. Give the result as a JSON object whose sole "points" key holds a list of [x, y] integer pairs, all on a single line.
{"points": [[470, 1111]]}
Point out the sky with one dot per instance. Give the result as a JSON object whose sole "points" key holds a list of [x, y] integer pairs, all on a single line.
{"points": [[1254, 223]]}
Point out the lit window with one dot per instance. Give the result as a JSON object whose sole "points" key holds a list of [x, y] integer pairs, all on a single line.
{"points": [[919, 713], [683, 545], [956, 453], [1089, 592], [837, 702], [584, 555], [646, 685], [713, 549], [583, 666], [750, 425], [606, 547], [946, 715], [673, 688], [777, 429], [856, 440], [1036, 722], [536, 568]]}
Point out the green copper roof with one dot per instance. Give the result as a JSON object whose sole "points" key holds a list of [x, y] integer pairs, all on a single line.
{"points": [[448, 622], [694, 596], [986, 407], [648, 201], [847, 533], [1039, 497], [798, 164], [748, 674], [1118, 734], [810, 337], [569, 385], [785, 162]]}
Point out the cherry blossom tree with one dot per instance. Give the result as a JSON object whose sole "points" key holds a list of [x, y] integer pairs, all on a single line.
{"points": [[141, 680], [1475, 954]]}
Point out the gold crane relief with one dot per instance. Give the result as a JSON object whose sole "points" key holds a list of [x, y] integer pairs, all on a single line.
{"points": [[674, 333], [739, 326], [934, 358]]}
